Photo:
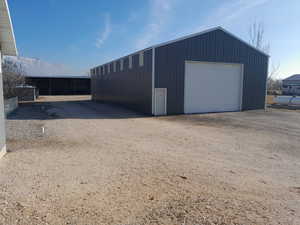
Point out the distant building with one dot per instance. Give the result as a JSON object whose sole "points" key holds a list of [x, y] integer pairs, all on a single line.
{"points": [[291, 85], [7, 47], [61, 85]]}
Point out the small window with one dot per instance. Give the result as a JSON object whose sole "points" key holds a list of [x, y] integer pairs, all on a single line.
{"points": [[141, 58], [121, 64], [108, 71], [115, 66], [130, 62]]}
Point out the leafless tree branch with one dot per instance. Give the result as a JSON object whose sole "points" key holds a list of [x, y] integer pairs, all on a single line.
{"points": [[13, 76], [257, 39]]}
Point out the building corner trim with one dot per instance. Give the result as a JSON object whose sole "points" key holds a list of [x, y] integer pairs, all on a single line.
{"points": [[3, 151], [153, 81]]}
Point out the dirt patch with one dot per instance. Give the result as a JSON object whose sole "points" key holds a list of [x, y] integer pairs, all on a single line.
{"points": [[213, 120], [205, 208], [295, 190]]}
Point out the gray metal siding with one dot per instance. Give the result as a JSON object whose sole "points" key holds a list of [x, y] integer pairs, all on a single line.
{"points": [[2, 124], [215, 46], [130, 87], [290, 82]]}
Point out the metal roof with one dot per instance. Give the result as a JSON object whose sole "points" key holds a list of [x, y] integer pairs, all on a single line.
{"points": [[207, 31], [293, 77], [190, 36], [7, 38], [60, 76]]}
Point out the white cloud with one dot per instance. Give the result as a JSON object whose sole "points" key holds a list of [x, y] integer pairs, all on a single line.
{"points": [[106, 32], [159, 15]]}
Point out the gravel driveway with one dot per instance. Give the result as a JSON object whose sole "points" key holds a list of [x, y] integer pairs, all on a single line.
{"points": [[102, 164]]}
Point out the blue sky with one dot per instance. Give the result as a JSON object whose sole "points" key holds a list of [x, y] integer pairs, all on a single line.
{"points": [[80, 34]]}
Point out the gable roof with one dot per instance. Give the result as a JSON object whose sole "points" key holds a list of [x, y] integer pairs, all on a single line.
{"points": [[293, 77], [7, 38], [186, 37], [208, 31]]}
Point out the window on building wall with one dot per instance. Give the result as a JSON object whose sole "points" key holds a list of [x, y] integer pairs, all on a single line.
{"points": [[121, 64], [98, 71], [115, 66], [141, 58], [108, 69], [130, 62]]}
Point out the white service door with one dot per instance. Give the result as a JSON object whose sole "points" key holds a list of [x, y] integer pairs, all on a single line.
{"points": [[212, 87], [160, 101]]}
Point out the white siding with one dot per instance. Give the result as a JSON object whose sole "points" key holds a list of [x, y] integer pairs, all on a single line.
{"points": [[2, 125]]}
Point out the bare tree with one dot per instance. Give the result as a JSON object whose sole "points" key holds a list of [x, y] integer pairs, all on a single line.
{"points": [[257, 39], [13, 76]]}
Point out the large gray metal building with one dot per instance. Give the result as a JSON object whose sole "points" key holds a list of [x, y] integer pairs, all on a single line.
{"points": [[211, 71], [7, 47]]}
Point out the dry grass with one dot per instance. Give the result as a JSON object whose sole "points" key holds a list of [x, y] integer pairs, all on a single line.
{"points": [[270, 99]]}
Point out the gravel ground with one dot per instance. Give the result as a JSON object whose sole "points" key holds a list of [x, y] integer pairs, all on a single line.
{"points": [[101, 164]]}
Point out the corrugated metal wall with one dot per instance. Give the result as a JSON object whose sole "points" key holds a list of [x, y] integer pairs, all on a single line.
{"points": [[215, 46], [130, 87]]}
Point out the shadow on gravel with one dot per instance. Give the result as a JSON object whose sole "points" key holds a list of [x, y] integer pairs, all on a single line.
{"points": [[81, 109]]}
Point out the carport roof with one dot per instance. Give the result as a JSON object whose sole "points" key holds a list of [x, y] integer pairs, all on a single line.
{"points": [[7, 38], [60, 76]]}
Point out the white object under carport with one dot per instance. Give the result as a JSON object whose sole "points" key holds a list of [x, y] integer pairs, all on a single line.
{"points": [[212, 87]]}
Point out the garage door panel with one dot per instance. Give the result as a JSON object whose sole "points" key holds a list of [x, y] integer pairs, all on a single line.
{"points": [[212, 87]]}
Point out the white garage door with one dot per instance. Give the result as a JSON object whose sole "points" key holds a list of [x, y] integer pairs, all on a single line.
{"points": [[212, 87]]}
